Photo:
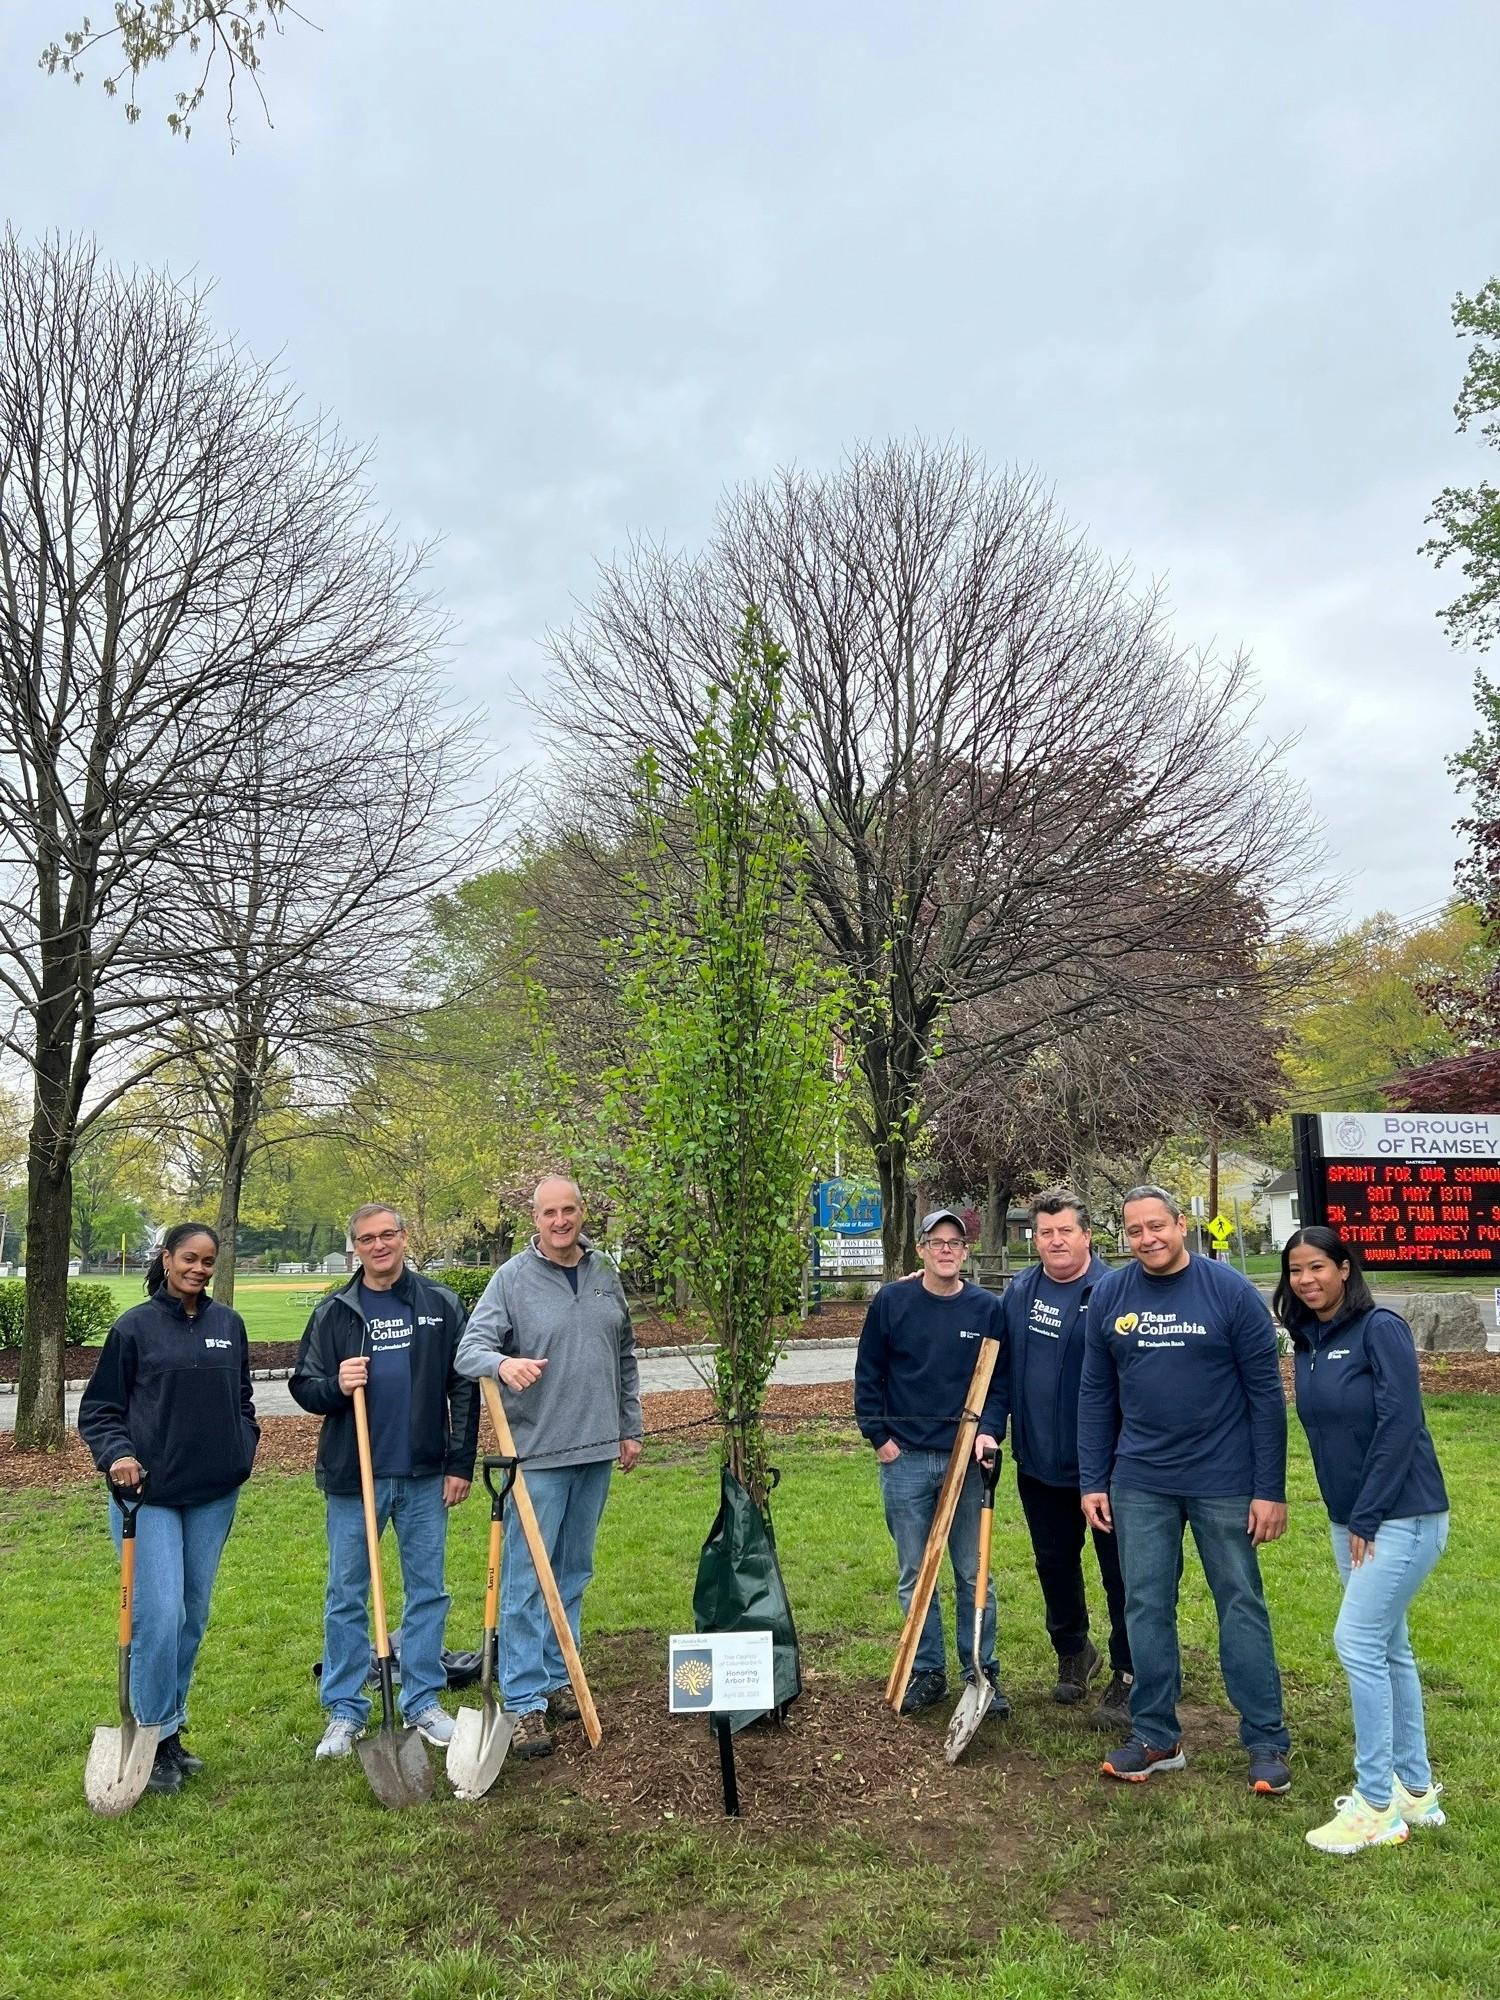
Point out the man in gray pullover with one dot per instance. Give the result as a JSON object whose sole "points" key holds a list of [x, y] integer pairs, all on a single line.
{"points": [[554, 1329]]}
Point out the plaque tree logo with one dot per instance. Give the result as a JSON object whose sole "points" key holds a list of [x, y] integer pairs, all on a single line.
{"points": [[1349, 1132], [693, 1677]]}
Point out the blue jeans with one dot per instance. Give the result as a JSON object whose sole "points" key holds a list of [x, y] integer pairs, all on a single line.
{"points": [[1150, 1529], [910, 1486], [421, 1521], [1371, 1641], [569, 1503], [177, 1552]]}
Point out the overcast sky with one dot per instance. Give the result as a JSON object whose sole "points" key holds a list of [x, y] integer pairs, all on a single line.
{"points": [[577, 267]]}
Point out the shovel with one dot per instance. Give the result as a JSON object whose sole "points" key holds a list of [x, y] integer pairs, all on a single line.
{"points": [[481, 1736], [978, 1695], [394, 1760], [120, 1760]]}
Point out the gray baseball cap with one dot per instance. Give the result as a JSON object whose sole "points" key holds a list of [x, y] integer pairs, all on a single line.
{"points": [[930, 1222]]}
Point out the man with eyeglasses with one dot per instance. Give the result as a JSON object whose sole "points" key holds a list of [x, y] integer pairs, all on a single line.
{"points": [[395, 1334], [916, 1358]]}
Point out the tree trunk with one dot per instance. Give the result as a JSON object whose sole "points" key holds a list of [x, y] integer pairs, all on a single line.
{"points": [[227, 1221], [40, 1423], [994, 1237]]}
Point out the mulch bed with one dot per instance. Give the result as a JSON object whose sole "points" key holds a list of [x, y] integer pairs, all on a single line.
{"points": [[289, 1444], [838, 1321], [838, 1760]]}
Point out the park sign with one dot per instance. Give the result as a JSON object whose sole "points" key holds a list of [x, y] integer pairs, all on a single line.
{"points": [[848, 1208], [1412, 1191]]}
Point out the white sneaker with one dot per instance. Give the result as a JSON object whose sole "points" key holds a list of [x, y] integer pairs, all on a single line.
{"points": [[1356, 1825], [433, 1726], [1420, 1808], [339, 1738]]}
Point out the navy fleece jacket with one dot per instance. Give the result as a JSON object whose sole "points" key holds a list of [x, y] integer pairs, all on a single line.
{"points": [[916, 1358], [174, 1392], [1360, 1400], [1181, 1392], [1044, 1323]]}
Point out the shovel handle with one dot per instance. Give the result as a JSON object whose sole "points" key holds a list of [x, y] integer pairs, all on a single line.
{"points": [[526, 1515], [372, 1527], [129, 1500]]}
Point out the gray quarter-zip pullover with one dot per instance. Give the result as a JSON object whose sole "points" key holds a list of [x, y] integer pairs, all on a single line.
{"points": [[588, 1397]]}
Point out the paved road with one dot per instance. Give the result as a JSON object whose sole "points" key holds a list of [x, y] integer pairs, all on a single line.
{"points": [[807, 1361]]}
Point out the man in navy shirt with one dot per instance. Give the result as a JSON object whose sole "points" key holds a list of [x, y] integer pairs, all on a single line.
{"points": [[911, 1375], [1045, 1310], [1182, 1422]]}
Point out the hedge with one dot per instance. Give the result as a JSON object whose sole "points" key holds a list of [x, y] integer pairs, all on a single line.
{"points": [[464, 1279], [91, 1312]]}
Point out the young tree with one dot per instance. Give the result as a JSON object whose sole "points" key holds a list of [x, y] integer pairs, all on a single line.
{"points": [[1003, 775], [729, 1083], [178, 550]]}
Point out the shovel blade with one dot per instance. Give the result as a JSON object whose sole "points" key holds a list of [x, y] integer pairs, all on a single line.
{"points": [[396, 1765], [971, 1711], [119, 1763], [481, 1737]]}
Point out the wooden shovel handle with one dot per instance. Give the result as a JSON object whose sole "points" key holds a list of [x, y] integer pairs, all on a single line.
{"points": [[492, 1579], [127, 1588], [372, 1526], [942, 1521], [526, 1514]]}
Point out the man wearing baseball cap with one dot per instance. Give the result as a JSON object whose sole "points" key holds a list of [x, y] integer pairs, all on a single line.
{"points": [[916, 1358]]}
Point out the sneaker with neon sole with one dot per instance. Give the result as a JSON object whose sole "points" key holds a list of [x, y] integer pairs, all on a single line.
{"points": [[1357, 1825], [1136, 1761]]}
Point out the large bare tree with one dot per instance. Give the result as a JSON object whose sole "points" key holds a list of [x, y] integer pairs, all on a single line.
{"points": [[179, 549], [1010, 777]]}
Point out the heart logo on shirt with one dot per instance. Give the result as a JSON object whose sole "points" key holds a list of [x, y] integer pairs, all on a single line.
{"points": [[1127, 1322]]}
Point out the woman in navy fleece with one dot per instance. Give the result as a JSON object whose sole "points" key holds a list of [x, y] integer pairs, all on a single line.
{"points": [[170, 1405], [1360, 1401]]}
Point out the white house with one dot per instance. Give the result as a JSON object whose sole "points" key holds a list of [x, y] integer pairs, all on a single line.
{"points": [[1282, 1195]]}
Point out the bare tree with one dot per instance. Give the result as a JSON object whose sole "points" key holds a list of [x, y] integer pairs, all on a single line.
{"points": [[311, 899], [1010, 778], [178, 550]]}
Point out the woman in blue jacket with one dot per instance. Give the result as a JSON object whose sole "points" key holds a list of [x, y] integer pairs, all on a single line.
{"points": [[1360, 1401], [169, 1404]]}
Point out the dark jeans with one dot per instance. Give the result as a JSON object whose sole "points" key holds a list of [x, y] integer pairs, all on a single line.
{"points": [[1057, 1527], [1149, 1528]]}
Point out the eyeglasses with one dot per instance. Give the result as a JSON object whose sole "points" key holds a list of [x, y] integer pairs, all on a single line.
{"points": [[384, 1236], [946, 1243]]}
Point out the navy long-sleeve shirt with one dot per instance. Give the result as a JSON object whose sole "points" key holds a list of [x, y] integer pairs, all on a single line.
{"points": [[1181, 1392], [1359, 1396], [916, 1358], [1044, 1322]]}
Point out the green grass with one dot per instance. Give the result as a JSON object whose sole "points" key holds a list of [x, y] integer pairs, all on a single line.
{"points": [[272, 1878], [272, 1308]]}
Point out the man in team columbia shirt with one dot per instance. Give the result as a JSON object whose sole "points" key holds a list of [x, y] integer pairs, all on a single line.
{"points": [[393, 1333], [1182, 1423]]}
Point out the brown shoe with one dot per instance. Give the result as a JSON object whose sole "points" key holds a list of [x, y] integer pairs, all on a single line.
{"points": [[562, 1704], [531, 1738]]}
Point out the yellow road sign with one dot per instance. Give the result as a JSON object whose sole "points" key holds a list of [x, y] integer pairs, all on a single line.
{"points": [[1220, 1228]]}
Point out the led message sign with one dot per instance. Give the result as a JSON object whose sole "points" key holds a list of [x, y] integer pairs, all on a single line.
{"points": [[1414, 1192]]}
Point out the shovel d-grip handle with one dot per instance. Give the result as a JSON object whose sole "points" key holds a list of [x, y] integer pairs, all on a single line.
{"points": [[989, 1475], [492, 1463], [129, 1507]]}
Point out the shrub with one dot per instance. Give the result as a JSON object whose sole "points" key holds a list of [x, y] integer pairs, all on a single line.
{"points": [[91, 1312]]}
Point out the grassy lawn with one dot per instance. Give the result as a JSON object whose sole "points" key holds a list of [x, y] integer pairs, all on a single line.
{"points": [[272, 1308], [270, 1877]]}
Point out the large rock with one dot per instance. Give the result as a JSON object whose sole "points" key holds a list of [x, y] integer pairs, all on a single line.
{"points": [[1446, 1323]]}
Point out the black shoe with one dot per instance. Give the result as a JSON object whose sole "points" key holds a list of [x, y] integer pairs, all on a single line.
{"points": [[1112, 1709], [1074, 1672], [924, 1690], [165, 1775], [1270, 1774], [181, 1756], [562, 1704], [999, 1708]]}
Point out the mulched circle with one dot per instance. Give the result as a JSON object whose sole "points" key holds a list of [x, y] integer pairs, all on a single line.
{"points": [[839, 1759]]}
